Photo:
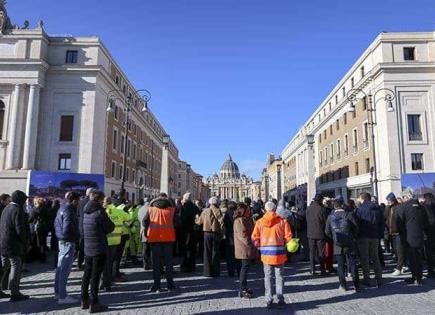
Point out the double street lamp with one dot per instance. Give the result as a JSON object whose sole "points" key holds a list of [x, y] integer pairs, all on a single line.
{"points": [[127, 102], [388, 97]]}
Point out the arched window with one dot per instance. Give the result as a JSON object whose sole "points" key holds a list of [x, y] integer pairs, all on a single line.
{"points": [[2, 117]]}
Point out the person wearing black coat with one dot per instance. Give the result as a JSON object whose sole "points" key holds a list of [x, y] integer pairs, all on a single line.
{"points": [[316, 216], [233, 265], [345, 250], [429, 206], [188, 236], [80, 214], [5, 199], [371, 229], [13, 242], [411, 222], [67, 232], [96, 226]]}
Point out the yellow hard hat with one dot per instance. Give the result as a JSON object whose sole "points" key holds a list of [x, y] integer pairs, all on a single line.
{"points": [[293, 245]]}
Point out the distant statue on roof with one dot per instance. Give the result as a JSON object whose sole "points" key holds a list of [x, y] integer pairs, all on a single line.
{"points": [[5, 22]]}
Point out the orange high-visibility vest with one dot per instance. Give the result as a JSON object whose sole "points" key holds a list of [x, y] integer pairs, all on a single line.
{"points": [[161, 229], [272, 233]]}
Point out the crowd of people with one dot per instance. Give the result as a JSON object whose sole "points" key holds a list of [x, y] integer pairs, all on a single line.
{"points": [[102, 233]]}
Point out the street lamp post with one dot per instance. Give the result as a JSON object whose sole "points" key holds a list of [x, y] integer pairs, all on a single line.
{"points": [[371, 111], [111, 99]]}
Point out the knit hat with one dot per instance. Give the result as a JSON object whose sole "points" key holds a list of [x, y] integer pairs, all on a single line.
{"points": [[391, 197], [186, 197], [214, 201], [318, 197], [270, 206]]}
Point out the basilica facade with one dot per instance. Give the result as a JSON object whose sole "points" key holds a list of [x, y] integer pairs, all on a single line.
{"points": [[230, 184]]}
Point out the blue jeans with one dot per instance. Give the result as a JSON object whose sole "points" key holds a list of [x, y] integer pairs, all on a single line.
{"points": [[279, 282], [64, 266]]}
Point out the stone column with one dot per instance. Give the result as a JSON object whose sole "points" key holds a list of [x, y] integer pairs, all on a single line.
{"points": [[12, 155], [31, 129], [311, 181], [164, 179]]}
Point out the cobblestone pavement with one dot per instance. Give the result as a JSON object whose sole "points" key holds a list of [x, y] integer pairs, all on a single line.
{"points": [[197, 294]]}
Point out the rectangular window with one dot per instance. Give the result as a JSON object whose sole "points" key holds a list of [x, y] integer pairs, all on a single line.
{"points": [[71, 56], [113, 170], [330, 130], [338, 149], [134, 151], [338, 124], [417, 161], [352, 82], [414, 128], [355, 140], [346, 145], [115, 140], [345, 118], [366, 135], [356, 168], [128, 147], [336, 99], [116, 112], [66, 128], [122, 143], [362, 72], [409, 53], [331, 157], [64, 162], [320, 138], [324, 134], [365, 103], [343, 90], [326, 156], [127, 174], [321, 158], [120, 171], [367, 165]]}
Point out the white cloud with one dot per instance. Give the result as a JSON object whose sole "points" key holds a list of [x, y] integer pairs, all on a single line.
{"points": [[252, 168]]}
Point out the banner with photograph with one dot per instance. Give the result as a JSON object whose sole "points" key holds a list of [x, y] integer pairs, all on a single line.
{"points": [[420, 183], [53, 185]]}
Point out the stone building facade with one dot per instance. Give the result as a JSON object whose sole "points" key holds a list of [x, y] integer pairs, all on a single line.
{"points": [[230, 184], [387, 130], [53, 115]]}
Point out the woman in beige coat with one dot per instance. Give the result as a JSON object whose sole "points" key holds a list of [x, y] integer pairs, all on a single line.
{"points": [[244, 247]]}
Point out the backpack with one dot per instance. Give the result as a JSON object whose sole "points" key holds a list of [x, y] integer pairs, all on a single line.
{"points": [[341, 231]]}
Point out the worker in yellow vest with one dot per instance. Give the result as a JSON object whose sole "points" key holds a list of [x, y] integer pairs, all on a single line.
{"points": [[113, 240], [117, 276], [134, 241]]}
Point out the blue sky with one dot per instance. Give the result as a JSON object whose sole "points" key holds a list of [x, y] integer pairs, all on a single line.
{"points": [[231, 76]]}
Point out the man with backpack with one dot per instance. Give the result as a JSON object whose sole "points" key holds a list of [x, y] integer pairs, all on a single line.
{"points": [[342, 228]]}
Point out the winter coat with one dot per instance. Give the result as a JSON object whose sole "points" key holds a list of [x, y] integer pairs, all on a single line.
{"points": [[316, 216], [81, 209], [370, 221], [229, 226], [353, 225], [13, 227], [160, 220], [243, 227], [212, 220], [271, 234], [41, 221], [411, 222], [96, 226], [390, 216], [66, 224], [140, 216], [188, 213], [429, 206]]}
